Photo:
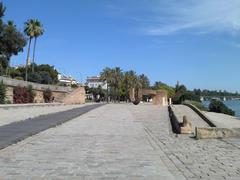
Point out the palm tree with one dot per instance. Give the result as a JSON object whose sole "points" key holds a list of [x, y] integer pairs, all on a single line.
{"points": [[130, 78], [114, 78], [29, 30], [107, 75], [117, 80], [144, 81], [38, 31]]}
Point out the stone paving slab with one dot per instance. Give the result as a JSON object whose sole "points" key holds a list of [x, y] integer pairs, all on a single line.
{"points": [[17, 131], [106, 143], [22, 112], [120, 141], [223, 120], [195, 159]]}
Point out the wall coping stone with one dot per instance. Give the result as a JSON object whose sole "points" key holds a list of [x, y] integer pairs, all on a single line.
{"points": [[29, 105], [199, 112], [216, 133], [36, 86]]}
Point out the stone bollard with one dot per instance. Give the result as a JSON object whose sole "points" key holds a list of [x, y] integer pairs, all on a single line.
{"points": [[170, 101], [186, 126]]}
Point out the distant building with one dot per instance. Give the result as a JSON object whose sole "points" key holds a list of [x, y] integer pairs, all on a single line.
{"points": [[66, 80], [95, 82]]}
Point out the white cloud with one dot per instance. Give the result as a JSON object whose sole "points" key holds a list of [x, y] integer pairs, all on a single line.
{"points": [[200, 16], [234, 44]]}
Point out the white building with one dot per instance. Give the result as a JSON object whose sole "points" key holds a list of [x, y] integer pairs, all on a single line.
{"points": [[66, 80], [95, 82]]}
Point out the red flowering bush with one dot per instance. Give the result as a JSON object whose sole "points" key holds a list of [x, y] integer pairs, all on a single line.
{"points": [[23, 95]]}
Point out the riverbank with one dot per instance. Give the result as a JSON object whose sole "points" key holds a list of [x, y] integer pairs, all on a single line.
{"points": [[232, 104]]}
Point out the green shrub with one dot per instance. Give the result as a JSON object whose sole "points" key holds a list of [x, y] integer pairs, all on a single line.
{"points": [[2, 93], [74, 85], [40, 77], [47, 95], [46, 78], [219, 107], [180, 97], [31, 94], [197, 104], [34, 77], [19, 78]]}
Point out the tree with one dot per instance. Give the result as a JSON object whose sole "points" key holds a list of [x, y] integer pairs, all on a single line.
{"points": [[158, 85], [12, 41], [144, 81], [2, 11], [44, 74], [220, 107], [130, 81], [53, 73], [38, 31], [34, 77], [180, 91], [29, 30], [116, 82], [107, 76]]}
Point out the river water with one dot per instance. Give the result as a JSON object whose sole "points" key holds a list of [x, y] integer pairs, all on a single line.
{"points": [[232, 104]]}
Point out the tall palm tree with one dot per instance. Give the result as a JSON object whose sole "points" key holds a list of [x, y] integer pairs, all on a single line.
{"points": [[130, 78], [144, 81], [29, 30], [38, 31], [117, 80], [107, 75]]}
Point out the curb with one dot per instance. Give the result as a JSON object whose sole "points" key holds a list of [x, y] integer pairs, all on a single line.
{"points": [[8, 106]]}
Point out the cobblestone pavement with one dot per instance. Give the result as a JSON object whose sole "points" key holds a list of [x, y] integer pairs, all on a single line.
{"points": [[120, 141], [106, 143], [223, 120], [196, 159], [17, 131]]}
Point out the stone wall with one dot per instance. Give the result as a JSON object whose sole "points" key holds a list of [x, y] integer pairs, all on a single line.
{"points": [[75, 97], [216, 133], [61, 94], [13, 83]]}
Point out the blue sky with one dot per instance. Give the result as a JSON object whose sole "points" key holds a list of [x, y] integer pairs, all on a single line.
{"points": [[195, 42]]}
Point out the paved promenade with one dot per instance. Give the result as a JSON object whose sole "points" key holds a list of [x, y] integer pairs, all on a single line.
{"points": [[120, 141], [10, 115], [19, 130]]}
